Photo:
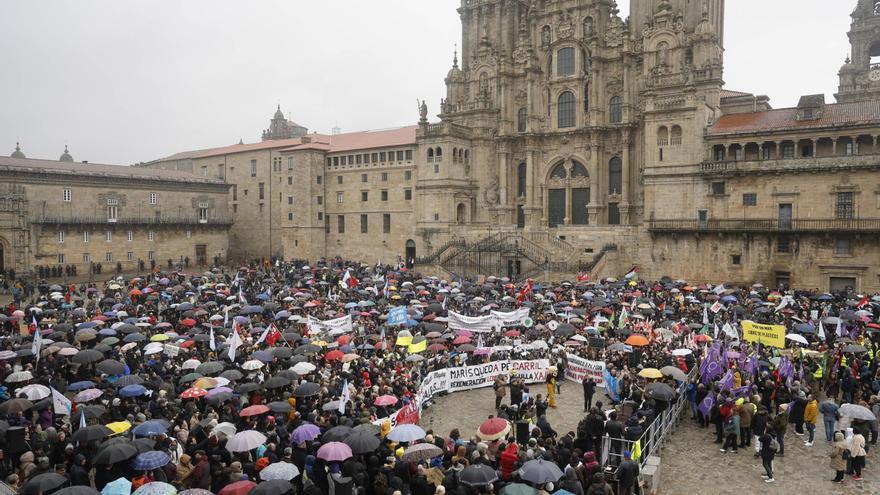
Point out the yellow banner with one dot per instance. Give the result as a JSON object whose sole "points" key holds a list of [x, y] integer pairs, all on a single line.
{"points": [[404, 341], [418, 347], [772, 335]]}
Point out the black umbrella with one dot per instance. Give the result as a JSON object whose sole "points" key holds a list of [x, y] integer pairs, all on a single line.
{"points": [[299, 358], [232, 375], [276, 382], [134, 337], [111, 367], [565, 330], [43, 483], [854, 348], [86, 356], [366, 427], [307, 349], [660, 391], [362, 442], [219, 398], [336, 434], [127, 380], [115, 452], [91, 412], [272, 487], [189, 377], [210, 367], [478, 475], [280, 407], [306, 389], [282, 352], [13, 406], [91, 433], [247, 387], [289, 374]]}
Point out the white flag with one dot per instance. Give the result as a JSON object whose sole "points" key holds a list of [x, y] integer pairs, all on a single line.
{"points": [[821, 331], [716, 332], [705, 314], [263, 335], [234, 342], [38, 340], [60, 403], [718, 289], [344, 397], [729, 331], [840, 328], [82, 418], [211, 343]]}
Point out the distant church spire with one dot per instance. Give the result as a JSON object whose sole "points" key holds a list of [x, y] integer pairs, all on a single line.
{"points": [[455, 57], [17, 153]]}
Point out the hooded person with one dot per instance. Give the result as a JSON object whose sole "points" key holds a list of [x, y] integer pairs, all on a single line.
{"points": [[571, 483], [509, 458], [79, 475], [837, 462]]}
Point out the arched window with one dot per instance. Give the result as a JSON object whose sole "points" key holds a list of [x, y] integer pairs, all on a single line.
{"points": [[565, 62], [586, 96], [438, 153], [466, 157], [615, 175], [565, 110], [521, 120], [588, 27], [454, 155], [662, 136], [460, 213], [615, 110], [675, 136], [662, 53], [521, 180], [549, 65], [430, 154], [568, 194], [874, 52]]}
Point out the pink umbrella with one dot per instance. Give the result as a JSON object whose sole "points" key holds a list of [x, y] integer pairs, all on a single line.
{"points": [[385, 400], [218, 390], [463, 339], [238, 488], [87, 395], [253, 410], [483, 351], [464, 333], [334, 451]]}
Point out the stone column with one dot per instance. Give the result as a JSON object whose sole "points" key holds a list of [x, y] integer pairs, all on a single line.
{"points": [[834, 145], [503, 177], [815, 147], [625, 190], [760, 151], [778, 149], [855, 145]]}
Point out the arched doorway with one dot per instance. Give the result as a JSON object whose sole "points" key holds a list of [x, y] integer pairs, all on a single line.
{"points": [[410, 253], [460, 214]]}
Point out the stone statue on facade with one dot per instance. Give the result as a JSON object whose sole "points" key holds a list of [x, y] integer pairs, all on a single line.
{"points": [[423, 113]]}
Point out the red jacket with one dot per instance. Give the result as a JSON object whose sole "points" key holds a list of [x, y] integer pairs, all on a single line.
{"points": [[508, 461]]}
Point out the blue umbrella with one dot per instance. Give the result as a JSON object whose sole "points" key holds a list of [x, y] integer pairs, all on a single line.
{"points": [[282, 314], [107, 332], [249, 310], [151, 460], [728, 299], [184, 306], [78, 386], [351, 305], [263, 297], [149, 428], [243, 320], [120, 486], [132, 391]]}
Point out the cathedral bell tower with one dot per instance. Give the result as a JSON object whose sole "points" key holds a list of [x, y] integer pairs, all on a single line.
{"points": [[860, 75]]}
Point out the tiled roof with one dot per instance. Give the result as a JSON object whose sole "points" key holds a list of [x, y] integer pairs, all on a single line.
{"points": [[242, 148], [729, 93], [340, 143], [95, 169], [783, 119]]}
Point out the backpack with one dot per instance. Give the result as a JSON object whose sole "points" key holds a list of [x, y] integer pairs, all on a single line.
{"points": [[774, 445], [847, 455]]}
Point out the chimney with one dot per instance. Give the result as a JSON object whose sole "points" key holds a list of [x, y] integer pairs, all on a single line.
{"points": [[306, 139]]}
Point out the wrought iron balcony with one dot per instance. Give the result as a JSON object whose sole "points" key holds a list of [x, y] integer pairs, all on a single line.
{"points": [[769, 225], [146, 221]]}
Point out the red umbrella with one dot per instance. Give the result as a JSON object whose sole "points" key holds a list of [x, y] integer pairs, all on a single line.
{"points": [[385, 400], [873, 325], [334, 355], [462, 339], [382, 346], [253, 410], [193, 393], [702, 338], [436, 347], [511, 333], [493, 429], [188, 322], [345, 339], [187, 344], [238, 488]]}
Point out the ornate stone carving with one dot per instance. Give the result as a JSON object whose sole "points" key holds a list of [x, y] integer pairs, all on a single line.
{"points": [[491, 194], [565, 26]]}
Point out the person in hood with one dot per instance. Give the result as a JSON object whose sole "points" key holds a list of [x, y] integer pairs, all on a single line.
{"points": [[79, 475]]}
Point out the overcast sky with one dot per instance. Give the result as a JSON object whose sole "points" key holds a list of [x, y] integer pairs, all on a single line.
{"points": [[125, 81]]}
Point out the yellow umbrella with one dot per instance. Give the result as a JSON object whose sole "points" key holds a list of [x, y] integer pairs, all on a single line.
{"points": [[119, 427], [205, 383], [650, 373], [159, 337], [395, 297], [320, 343]]}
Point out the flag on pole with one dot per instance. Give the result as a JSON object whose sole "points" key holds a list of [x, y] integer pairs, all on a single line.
{"points": [[60, 403], [344, 397], [211, 343], [705, 314], [38, 339], [82, 418], [716, 332], [840, 330], [821, 331], [729, 331], [234, 342], [274, 335], [263, 335]]}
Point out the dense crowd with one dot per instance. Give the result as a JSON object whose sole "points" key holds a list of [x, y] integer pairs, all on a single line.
{"points": [[228, 381]]}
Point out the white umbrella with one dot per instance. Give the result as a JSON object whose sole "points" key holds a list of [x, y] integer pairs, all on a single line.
{"points": [[856, 411], [191, 364], [406, 433], [19, 376], [279, 471], [226, 429], [797, 338], [303, 368], [681, 352], [251, 365], [33, 392], [154, 348], [244, 441], [68, 351], [578, 337]]}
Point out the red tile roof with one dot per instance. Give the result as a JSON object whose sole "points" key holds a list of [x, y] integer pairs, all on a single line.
{"points": [[785, 119], [729, 93], [242, 148], [384, 138]]}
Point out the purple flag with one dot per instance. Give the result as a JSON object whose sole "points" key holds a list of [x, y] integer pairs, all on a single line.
{"points": [[712, 369], [742, 391], [727, 381], [706, 404], [752, 365]]}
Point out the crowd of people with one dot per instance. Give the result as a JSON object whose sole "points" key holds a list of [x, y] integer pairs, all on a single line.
{"points": [[229, 381]]}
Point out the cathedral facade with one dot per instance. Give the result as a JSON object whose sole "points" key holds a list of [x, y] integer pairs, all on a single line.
{"points": [[572, 140]]}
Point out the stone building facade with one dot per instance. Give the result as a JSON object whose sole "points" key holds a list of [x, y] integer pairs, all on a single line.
{"points": [[64, 213], [573, 140]]}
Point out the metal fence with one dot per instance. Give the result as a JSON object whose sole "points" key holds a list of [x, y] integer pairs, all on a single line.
{"points": [[655, 435]]}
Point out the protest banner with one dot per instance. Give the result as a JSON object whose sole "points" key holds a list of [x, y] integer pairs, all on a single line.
{"points": [[333, 327], [578, 368], [772, 335], [512, 319], [479, 324], [596, 342]]}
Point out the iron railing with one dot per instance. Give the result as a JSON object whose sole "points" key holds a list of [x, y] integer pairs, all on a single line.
{"points": [[772, 225], [95, 220]]}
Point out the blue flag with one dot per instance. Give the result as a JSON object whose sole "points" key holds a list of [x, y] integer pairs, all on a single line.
{"points": [[611, 386], [397, 315]]}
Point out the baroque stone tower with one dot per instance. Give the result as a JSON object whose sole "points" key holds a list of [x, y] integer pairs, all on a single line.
{"points": [[860, 75]]}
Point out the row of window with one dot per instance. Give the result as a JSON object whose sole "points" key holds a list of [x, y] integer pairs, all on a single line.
{"points": [[108, 257], [844, 206], [566, 110], [669, 136], [407, 175], [365, 223], [367, 158], [786, 150], [383, 195], [67, 197], [108, 236]]}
